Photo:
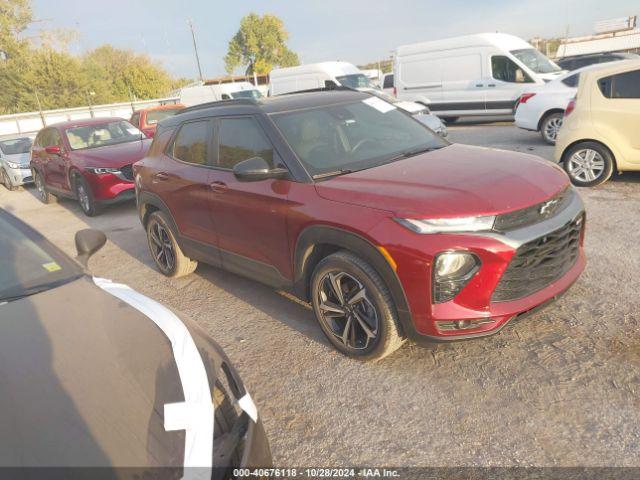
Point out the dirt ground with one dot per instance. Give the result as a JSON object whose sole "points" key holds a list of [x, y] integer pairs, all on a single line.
{"points": [[559, 388]]}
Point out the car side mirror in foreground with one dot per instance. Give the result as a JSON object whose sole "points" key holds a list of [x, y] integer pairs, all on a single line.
{"points": [[257, 168], [89, 242]]}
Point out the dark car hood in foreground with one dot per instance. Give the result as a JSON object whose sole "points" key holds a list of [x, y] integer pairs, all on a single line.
{"points": [[457, 180], [113, 156], [85, 378]]}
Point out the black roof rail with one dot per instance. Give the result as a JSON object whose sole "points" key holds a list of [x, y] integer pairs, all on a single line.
{"points": [[320, 89], [219, 103]]}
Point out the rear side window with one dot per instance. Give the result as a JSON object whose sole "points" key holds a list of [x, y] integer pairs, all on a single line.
{"points": [[572, 81], [191, 144], [505, 69], [388, 81], [241, 139], [623, 85]]}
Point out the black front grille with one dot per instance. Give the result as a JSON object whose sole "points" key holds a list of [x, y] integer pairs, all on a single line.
{"points": [[127, 172], [540, 262]]}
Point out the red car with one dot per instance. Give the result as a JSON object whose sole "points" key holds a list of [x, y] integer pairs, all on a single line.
{"points": [[147, 119], [390, 231], [89, 160]]}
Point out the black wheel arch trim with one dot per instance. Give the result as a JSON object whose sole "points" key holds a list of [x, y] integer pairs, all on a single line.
{"points": [[305, 257]]}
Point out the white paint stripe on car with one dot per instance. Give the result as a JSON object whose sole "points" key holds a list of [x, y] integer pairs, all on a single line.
{"points": [[196, 414]]}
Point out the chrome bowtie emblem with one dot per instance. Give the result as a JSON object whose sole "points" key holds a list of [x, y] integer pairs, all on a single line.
{"points": [[547, 207]]}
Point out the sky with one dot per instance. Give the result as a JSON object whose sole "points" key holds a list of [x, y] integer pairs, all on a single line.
{"points": [[357, 31]]}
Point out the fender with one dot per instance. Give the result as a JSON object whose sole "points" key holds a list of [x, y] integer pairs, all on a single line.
{"points": [[309, 251]]}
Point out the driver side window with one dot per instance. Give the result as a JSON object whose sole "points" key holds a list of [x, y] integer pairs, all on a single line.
{"points": [[505, 69], [240, 139]]}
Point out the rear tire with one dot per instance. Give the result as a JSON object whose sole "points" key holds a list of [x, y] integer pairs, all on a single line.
{"points": [[164, 248], [84, 195], [43, 194], [588, 164], [354, 307], [550, 126], [6, 180]]}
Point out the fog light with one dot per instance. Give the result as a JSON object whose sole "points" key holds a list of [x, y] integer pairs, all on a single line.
{"points": [[451, 272], [463, 324]]}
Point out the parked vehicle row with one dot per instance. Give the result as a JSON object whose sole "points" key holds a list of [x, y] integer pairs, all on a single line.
{"points": [[14, 160]]}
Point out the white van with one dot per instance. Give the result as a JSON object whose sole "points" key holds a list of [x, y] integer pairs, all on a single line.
{"points": [[471, 75], [316, 75], [198, 94]]}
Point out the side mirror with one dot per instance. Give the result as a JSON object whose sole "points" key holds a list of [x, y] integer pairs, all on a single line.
{"points": [[257, 168], [53, 150], [88, 242]]}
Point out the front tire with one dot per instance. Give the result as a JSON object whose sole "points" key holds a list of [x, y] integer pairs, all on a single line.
{"points": [[6, 180], [588, 164], [354, 307], [166, 252], [550, 127], [84, 195]]}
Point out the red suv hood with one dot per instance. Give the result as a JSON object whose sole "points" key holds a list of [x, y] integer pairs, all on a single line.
{"points": [[457, 180], [113, 156]]}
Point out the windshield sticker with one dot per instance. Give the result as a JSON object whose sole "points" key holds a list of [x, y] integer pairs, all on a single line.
{"points": [[379, 104], [51, 267]]}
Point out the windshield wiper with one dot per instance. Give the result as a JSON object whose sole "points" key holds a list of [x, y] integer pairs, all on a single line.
{"points": [[38, 289], [342, 171]]}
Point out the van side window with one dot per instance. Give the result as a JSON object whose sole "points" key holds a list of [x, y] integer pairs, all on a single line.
{"points": [[240, 139], [191, 143], [622, 85], [388, 81], [505, 69]]}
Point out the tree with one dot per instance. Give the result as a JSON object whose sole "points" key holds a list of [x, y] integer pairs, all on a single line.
{"points": [[260, 45]]}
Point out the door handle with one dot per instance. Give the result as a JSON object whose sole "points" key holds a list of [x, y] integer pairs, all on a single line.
{"points": [[218, 187], [479, 85], [161, 176], [491, 85]]}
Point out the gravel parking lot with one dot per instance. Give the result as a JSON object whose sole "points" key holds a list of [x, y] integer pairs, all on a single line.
{"points": [[557, 388]]}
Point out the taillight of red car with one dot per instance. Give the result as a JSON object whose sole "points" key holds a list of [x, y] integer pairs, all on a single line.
{"points": [[526, 97], [570, 107]]}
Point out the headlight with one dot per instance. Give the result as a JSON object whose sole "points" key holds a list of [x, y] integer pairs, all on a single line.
{"points": [[101, 170], [449, 225], [451, 272], [16, 165]]}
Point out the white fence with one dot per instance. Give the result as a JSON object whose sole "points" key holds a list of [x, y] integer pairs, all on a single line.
{"points": [[31, 122]]}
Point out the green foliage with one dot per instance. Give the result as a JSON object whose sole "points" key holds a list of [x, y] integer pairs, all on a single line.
{"points": [[260, 45], [62, 80]]}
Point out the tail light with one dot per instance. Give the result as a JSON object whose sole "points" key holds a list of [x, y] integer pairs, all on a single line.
{"points": [[525, 97], [570, 107]]}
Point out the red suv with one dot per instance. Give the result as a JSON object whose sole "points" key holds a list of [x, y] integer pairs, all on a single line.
{"points": [[346, 201], [89, 160]]}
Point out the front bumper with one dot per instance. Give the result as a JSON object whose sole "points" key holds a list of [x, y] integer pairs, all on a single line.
{"points": [[19, 176], [110, 188], [474, 302]]}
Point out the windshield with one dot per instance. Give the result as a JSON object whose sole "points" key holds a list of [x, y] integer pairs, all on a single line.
{"points": [[535, 60], [154, 116], [355, 80], [28, 262], [353, 136], [247, 94], [103, 134], [16, 146]]}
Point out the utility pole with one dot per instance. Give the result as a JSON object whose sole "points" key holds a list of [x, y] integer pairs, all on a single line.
{"points": [[195, 48], [44, 122]]}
